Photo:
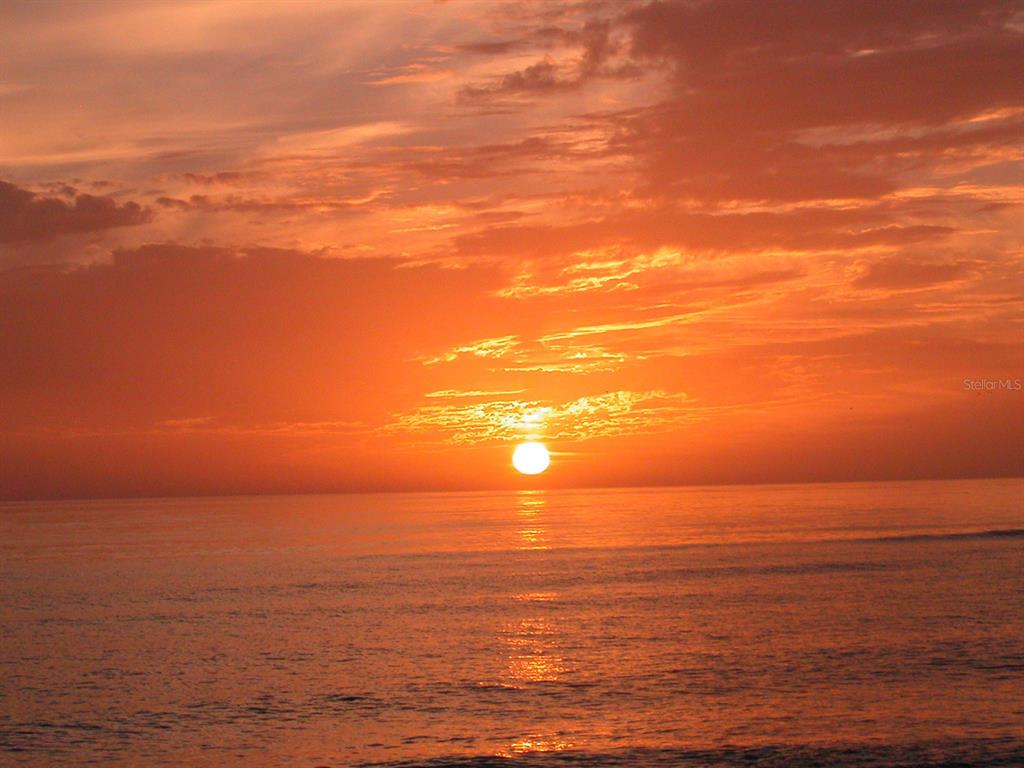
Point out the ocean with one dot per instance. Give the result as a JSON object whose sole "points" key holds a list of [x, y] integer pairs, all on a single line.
{"points": [[860, 624]]}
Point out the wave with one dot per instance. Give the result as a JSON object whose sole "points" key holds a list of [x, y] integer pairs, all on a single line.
{"points": [[989, 752], [852, 536], [998, 533]]}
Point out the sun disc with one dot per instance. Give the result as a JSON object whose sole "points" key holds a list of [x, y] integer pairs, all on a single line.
{"points": [[531, 458]]}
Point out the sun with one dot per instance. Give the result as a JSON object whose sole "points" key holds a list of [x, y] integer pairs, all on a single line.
{"points": [[531, 458]]}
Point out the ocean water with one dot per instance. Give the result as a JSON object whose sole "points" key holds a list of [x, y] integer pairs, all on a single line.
{"points": [[874, 624]]}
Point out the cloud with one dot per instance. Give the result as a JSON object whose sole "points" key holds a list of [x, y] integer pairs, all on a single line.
{"points": [[745, 83], [903, 273], [600, 57], [487, 348], [670, 225], [489, 46], [456, 394], [540, 77], [26, 217], [607, 414]]}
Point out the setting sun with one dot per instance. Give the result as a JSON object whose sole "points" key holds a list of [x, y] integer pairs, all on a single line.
{"points": [[531, 458]]}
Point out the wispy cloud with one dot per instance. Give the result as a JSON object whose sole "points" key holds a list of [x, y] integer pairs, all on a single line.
{"points": [[622, 412]]}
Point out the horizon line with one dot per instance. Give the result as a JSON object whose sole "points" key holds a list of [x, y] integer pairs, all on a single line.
{"points": [[497, 490]]}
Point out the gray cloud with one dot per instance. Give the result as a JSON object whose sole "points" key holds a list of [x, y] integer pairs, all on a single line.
{"points": [[26, 217]]}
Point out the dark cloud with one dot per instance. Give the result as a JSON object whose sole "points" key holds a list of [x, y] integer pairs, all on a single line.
{"points": [[749, 83], [541, 77], [26, 217], [670, 225], [599, 56], [718, 38], [904, 273], [223, 177], [489, 47], [242, 204], [749, 79]]}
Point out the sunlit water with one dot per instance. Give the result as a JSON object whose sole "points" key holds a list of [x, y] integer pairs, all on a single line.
{"points": [[861, 624]]}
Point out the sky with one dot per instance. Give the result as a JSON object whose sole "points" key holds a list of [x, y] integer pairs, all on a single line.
{"points": [[291, 247]]}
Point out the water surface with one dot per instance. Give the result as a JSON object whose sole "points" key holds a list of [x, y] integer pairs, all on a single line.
{"points": [[847, 624]]}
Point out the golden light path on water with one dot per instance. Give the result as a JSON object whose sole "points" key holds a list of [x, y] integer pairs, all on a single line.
{"points": [[532, 640]]}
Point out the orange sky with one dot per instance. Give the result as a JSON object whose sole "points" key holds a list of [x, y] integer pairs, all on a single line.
{"points": [[255, 247]]}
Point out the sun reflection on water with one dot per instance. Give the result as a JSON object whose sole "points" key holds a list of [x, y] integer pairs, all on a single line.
{"points": [[535, 744], [533, 534], [532, 642], [532, 651]]}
